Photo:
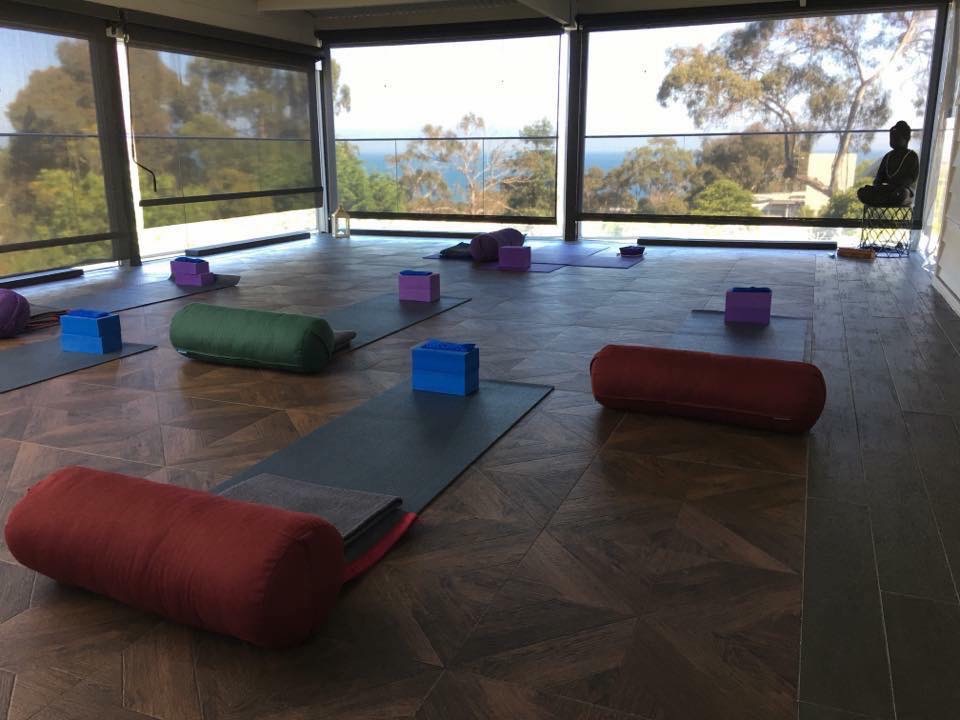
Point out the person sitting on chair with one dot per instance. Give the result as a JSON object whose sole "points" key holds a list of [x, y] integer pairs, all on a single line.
{"points": [[897, 176]]}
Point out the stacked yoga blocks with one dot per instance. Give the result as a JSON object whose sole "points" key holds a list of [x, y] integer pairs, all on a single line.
{"points": [[90, 331], [449, 368], [748, 305], [192, 272], [419, 285]]}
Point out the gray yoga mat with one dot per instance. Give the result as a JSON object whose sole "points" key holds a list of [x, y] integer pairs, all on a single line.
{"points": [[349, 511], [35, 362], [785, 338], [403, 442], [133, 296], [384, 315]]}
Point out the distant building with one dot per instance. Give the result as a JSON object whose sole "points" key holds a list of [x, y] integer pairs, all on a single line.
{"points": [[808, 201]]}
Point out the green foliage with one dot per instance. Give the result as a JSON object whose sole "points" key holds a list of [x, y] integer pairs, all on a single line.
{"points": [[655, 178], [843, 204], [799, 74], [360, 190], [724, 197]]}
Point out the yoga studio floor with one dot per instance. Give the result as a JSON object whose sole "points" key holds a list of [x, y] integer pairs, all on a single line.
{"points": [[592, 565]]}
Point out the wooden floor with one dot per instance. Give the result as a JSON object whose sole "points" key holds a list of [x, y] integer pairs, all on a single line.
{"points": [[592, 565]]}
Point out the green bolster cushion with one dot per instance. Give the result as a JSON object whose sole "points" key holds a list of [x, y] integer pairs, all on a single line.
{"points": [[252, 338]]}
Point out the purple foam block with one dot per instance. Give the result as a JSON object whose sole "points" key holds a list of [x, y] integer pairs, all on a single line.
{"points": [[748, 305], [201, 280], [514, 257], [419, 288], [189, 266]]}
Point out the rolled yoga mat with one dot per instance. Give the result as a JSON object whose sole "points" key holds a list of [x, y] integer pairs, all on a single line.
{"points": [[760, 393], [258, 573], [14, 313], [252, 338]]}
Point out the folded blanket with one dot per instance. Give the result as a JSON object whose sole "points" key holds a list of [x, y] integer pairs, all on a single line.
{"points": [[349, 511]]}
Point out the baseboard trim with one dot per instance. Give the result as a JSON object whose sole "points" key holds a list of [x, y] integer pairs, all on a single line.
{"points": [[760, 244]]}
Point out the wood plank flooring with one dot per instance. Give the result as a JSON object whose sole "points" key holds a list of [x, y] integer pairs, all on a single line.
{"points": [[591, 565]]}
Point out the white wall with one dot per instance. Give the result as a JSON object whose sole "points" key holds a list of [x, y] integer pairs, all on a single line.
{"points": [[948, 262], [948, 265], [239, 15]]}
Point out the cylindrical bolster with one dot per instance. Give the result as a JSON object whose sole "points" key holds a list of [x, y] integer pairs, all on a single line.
{"points": [[754, 392], [14, 313], [252, 338], [486, 247], [258, 573]]}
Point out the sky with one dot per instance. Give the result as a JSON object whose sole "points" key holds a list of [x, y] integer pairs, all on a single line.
{"points": [[396, 90]]}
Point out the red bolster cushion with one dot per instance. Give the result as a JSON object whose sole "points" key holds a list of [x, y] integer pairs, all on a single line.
{"points": [[258, 573], [754, 392]]}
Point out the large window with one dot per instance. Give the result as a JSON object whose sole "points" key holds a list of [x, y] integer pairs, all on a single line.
{"points": [[780, 118], [53, 205], [219, 140], [457, 130]]}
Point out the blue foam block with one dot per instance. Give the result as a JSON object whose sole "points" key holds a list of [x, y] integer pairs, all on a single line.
{"points": [[90, 344], [91, 323], [449, 368]]}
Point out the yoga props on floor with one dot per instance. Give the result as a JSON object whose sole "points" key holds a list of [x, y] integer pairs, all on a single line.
{"points": [[90, 331], [14, 313], [404, 443], [262, 574], [857, 253], [192, 272], [632, 250], [252, 338], [486, 246], [444, 367], [137, 294], [418, 285], [38, 361], [748, 305], [761, 393]]}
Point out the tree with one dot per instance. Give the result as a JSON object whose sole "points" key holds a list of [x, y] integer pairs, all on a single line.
{"points": [[653, 179], [529, 182], [797, 75], [724, 197], [754, 162], [426, 164]]}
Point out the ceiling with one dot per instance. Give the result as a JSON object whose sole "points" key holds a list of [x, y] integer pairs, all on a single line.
{"points": [[345, 14]]}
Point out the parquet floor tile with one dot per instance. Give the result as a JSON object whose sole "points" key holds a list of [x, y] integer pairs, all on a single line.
{"points": [[592, 565]]}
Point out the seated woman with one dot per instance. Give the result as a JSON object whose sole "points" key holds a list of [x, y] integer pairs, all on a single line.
{"points": [[897, 176]]}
